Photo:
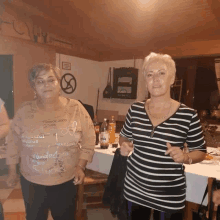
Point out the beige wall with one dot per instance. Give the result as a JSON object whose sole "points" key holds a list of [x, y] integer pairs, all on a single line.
{"points": [[92, 75], [25, 55], [88, 77], [15, 25]]}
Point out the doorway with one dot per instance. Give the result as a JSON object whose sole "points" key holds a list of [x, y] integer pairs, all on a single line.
{"points": [[6, 83], [6, 94]]}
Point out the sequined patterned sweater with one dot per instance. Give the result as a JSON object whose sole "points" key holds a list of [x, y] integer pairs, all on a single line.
{"points": [[49, 145]]}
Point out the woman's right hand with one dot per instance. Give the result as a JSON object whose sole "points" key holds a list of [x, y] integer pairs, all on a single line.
{"points": [[126, 148], [12, 180]]}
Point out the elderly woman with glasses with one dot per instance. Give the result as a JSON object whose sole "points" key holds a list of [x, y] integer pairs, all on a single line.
{"points": [[52, 138], [156, 130]]}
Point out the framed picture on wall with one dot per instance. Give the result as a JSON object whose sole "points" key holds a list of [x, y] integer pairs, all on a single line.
{"points": [[66, 66]]}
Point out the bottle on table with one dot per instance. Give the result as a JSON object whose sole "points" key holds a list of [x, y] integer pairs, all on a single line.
{"points": [[97, 129], [104, 135], [112, 127]]}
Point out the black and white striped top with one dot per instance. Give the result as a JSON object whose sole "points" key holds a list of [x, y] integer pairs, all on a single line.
{"points": [[153, 179]]}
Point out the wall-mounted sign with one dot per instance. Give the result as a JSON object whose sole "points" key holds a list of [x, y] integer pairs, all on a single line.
{"points": [[68, 83], [66, 66]]}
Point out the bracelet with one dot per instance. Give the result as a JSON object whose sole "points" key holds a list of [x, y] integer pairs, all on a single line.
{"points": [[81, 167], [189, 158]]}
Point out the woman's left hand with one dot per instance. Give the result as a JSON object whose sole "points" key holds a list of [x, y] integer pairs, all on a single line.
{"points": [[176, 153], [78, 175]]}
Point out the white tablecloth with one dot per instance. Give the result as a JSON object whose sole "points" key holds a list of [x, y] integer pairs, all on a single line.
{"points": [[196, 174]]}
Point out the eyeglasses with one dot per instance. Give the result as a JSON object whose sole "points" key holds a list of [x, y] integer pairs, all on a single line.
{"points": [[40, 82]]}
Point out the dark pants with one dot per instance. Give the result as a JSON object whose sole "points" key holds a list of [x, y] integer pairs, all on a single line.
{"points": [[1, 212], [38, 199], [139, 212]]}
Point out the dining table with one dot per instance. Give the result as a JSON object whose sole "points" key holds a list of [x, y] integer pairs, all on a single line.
{"points": [[197, 175]]}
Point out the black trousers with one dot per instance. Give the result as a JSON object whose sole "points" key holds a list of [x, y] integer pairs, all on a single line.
{"points": [[139, 212], [1, 212], [38, 199]]}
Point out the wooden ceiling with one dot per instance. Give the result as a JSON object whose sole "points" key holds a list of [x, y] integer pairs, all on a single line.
{"points": [[123, 29]]}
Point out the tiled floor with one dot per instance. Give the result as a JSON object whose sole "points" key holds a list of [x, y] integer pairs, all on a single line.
{"points": [[100, 214], [14, 209], [12, 201]]}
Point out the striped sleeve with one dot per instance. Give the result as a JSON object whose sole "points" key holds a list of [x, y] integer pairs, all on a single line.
{"points": [[126, 131], [195, 138]]}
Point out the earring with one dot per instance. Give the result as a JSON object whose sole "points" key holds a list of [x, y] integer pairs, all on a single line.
{"points": [[35, 95]]}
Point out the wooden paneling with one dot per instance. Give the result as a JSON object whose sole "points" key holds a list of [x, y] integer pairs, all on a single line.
{"points": [[119, 29]]}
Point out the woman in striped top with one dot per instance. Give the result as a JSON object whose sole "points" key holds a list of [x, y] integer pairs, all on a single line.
{"points": [[156, 130]]}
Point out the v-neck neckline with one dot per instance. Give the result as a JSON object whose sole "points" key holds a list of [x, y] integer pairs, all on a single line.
{"points": [[154, 126]]}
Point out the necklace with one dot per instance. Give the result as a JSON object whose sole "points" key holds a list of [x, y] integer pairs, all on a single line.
{"points": [[165, 116]]}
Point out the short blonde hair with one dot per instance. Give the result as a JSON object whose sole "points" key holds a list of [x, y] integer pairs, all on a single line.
{"points": [[153, 57], [36, 69]]}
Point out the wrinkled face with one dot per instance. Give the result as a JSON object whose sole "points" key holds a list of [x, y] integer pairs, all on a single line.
{"points": [[158, 79], [46, 85]]}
